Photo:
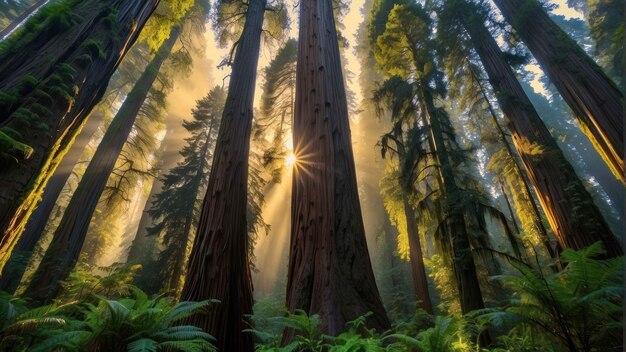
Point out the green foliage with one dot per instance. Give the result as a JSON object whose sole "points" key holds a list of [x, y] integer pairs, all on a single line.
{"points": [[447, 335], [277, 105], [10, 148], [176, 209], [87, 281], [577, 309], [24, 329], [128, 324], [143, 324]]}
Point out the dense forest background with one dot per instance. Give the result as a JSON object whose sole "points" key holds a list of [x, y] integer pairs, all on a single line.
{"points": [[313, 175]]}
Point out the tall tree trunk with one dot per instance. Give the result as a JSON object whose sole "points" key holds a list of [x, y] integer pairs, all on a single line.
{"points": [[573, 217], [418, 271], [590, 93], [12, 275], [21, 18], [454, 226], [330, 273], [219, 265], [63, 252], [55, 77]]}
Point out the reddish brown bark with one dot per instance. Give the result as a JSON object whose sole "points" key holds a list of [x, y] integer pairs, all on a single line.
{"points": [[70, 74], [67, 243], [329, 265], [595, 100], [219, 265], [573, 217], [418, 270]]}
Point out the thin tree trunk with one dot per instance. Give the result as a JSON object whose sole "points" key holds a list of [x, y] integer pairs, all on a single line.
{"points": [[37, 222], [330, 273], [590, 93], [219, 265], [573, 217], [454, 226], [21, 18], [63, 252], [418, 271], [68, 71]]}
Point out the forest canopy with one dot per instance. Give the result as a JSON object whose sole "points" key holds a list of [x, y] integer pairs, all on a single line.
{"points": [[314, 175]]}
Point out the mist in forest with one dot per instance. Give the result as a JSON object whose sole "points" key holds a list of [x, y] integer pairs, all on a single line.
{"points": [[281, 175]]}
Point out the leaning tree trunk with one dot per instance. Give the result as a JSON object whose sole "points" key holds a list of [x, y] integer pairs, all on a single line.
{"points": [[519, 174], [21, 18], [418, 270], [63, 252], [590, 93], [573, 217], [12, 275], [54, 78], [330, 273], [219, 267]]}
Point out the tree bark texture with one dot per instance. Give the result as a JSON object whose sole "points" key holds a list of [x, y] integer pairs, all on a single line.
{"points": [[593, 97], [572, 215], [21, 18], [63, 252], [36, 224], [219, 267], [56, 76], [330, 273]]}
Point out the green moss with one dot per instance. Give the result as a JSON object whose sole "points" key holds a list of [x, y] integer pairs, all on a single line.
{"points": [[83, 61], [40, 110], [43, 97], [12, 148], [28, 82], [93, 48], [8, 98]]}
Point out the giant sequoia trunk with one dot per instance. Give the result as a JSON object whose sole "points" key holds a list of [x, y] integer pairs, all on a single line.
{"points": [[21, 18], [12, 274], [219, 265], [63, 252], [590, 93], [574, 218], [54, 77], [329, 265], [454, 226]]}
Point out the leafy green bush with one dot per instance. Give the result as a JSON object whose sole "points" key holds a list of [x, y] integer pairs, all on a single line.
{"points": [[129, 324], [576, 309]]}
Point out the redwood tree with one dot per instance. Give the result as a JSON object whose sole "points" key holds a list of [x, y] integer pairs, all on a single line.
{"points": [[571, 213], [16, 266], [593, 97], [52, 73], [63, 252], [329, 265], [218, 267]]}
